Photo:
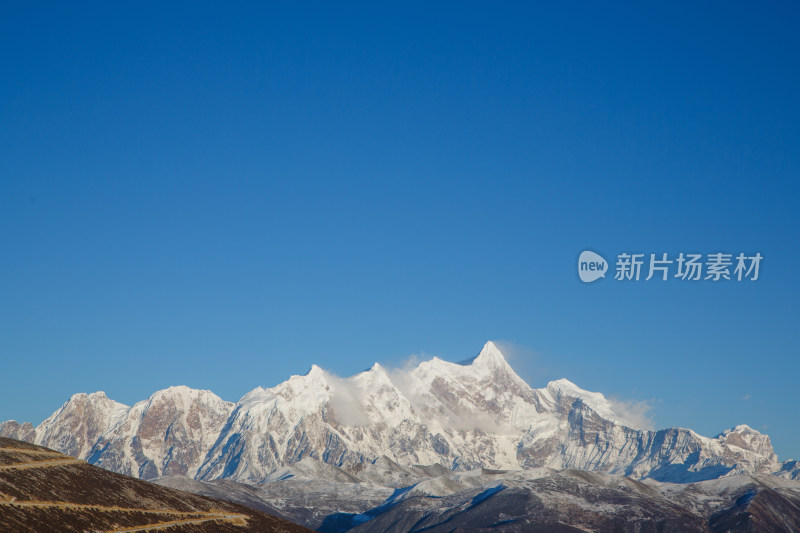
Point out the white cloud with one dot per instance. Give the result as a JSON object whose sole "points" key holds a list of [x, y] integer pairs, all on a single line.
{"points": [[635, 412], [345, 401]]}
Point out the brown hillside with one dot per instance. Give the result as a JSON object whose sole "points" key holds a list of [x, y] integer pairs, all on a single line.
{"points": [[43, 490]]}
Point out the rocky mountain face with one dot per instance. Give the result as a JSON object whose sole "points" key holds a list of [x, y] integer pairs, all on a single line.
{"points": [[169, 433], [476, 414]]}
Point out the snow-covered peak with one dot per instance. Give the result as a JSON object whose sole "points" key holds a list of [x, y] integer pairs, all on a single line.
{"points": [[314, 372], [369, 397], [75, 427], [375, 369], [182, 396], [563, 389], [437, 367], [98, 397], [256, 396], [313, 380], [299, 395], [376, 376], [180, 391], [747, 438], [176, 390], [97, 401], [490, 356]]}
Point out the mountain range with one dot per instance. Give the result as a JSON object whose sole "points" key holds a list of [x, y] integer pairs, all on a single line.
{"points": [[461, 416]]}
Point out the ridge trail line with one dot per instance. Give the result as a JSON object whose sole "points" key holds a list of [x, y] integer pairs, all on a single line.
{"points": [[30, 451], [40, 464], [191, 517], [237, 520]]}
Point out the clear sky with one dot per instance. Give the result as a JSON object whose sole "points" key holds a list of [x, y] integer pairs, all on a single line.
{"points": [[220, 196]]}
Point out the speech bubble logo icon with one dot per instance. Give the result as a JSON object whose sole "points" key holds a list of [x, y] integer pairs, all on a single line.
{"points": [[591, 266]]}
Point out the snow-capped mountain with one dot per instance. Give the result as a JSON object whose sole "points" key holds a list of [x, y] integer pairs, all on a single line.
{"points": [[169, 433], [462, 416]]}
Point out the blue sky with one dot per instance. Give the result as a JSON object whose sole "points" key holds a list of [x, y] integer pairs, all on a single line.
{"points": [[220, 196]]}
